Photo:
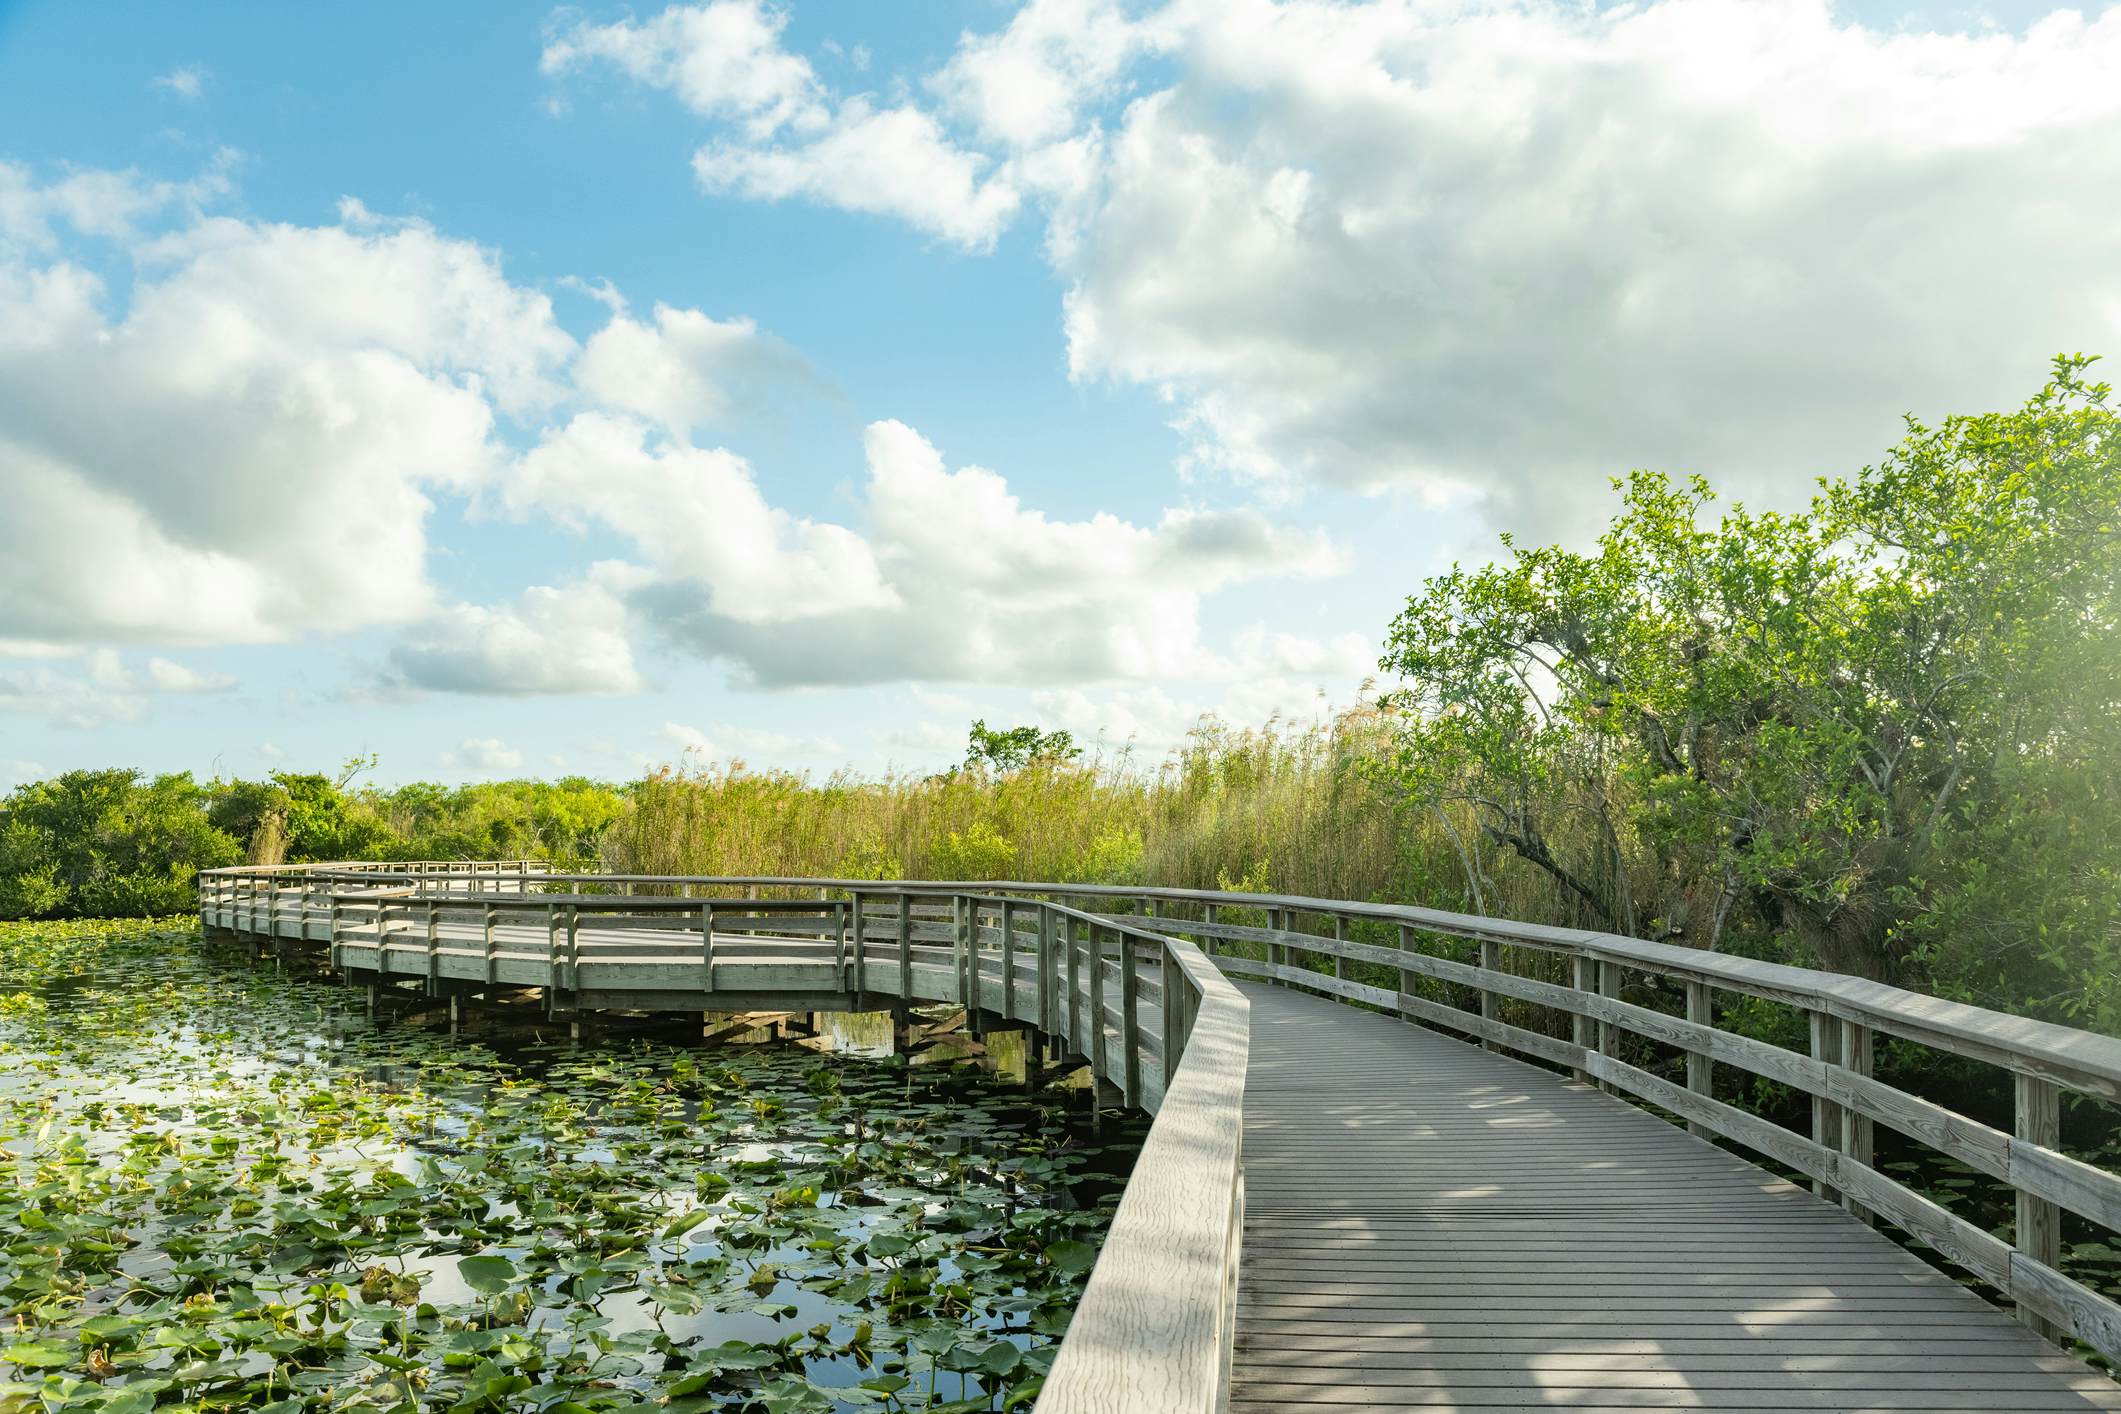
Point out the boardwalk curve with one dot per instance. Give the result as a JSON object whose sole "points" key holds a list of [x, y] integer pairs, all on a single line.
{"points": [[1336, 1208]]}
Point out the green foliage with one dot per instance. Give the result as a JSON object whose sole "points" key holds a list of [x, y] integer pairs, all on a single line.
{"points": [[110, 844], [1014, 748], [981, 852], [1821, 727], [106, 843]]}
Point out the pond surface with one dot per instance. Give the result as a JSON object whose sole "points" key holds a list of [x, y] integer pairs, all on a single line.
{"points": [[226, 1189]]}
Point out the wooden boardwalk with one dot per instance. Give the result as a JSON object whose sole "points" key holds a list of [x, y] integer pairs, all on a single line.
{"points": [[1336, 1208], [1430, 1225]]}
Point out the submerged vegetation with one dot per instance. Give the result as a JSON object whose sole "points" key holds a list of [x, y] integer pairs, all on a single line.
{"points": [[224, 1191]]}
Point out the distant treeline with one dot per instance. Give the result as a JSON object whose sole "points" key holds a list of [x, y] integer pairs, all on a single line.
{"points": [[112, 842], [1879, 735]]}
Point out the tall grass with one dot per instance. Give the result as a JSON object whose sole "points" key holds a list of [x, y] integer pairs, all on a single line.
{"points": [[1288, 809]]}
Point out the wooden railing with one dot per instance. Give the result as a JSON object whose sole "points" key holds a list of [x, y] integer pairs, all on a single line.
{"points": [[1592, 1003]]}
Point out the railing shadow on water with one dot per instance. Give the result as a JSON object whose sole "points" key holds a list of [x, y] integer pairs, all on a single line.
{"points": [[1092, 965]]}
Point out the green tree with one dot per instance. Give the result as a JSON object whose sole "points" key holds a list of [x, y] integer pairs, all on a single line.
{"points": [[1805, 717], [1013, 748], [106, 843]]}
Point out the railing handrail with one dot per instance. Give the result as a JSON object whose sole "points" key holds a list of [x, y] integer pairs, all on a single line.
{"points": [[2078, 1059]]}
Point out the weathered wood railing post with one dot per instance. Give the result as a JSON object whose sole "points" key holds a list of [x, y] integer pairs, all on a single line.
{"points": [[862, 944], [1857, 1135], [1490, 1001], [555, 923], [1008, 960], [434, 953], [706, 948], [1096, 947], [905, 947], [492, 954], [1048, 1014], [1826, 1115], [1129, 1016], [1700, 1069], [574, 956], [1608, 1033], [1169, 987], [1407, 943], [1583, 977], [1340, 934], [2039, 1222]]}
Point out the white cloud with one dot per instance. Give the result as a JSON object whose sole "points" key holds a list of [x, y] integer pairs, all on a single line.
{"points": [[689, 741], [699, 517], [894, 161], [17, 771], [721, 60], [105, 690], [1496, 252], [972, 586], [66, 700], [292, 397], [271, 752], [96, 203], [1028, 83], [166, 676], [685, 369], [485, 755], [790, 137], [567, 640], [186, 83], [1151, 721], [1342, 658], [1504, 251]]}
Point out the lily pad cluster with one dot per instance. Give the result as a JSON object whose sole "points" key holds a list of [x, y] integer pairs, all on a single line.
{"points": [[224, 1188]]}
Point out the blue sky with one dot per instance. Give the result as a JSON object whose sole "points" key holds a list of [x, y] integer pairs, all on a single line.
{"points": [[510, 390]]}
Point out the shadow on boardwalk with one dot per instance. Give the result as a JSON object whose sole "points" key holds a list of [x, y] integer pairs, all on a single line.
{"points": [[1429, 1225]]}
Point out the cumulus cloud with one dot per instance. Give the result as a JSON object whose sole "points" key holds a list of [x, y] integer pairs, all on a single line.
{"points": [[104, 690], [35, 214], [486, 755], [1029, 83], [1150, 721], [293, 397], [299, 400], [722, 60], [789, 136], [700, 518], [893, 161], [187, 83], [1500, 252], [682, 369], [1493, 253], [973, 586], [730, 741], [571, 639]]}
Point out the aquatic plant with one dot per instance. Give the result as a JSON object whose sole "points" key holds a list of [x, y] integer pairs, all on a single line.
{"points": [[224, 1189]]}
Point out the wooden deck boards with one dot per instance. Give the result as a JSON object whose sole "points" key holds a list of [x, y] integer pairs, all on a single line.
{"points": [[1429, 1225]]}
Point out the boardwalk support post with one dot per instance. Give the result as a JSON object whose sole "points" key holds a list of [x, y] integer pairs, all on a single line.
{"points": [[1826, 1115], [1700, 1069], [2039, 1121], [1490, 1002]]}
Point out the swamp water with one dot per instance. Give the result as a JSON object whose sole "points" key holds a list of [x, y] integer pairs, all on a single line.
{"points": [[226, 1189]]}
